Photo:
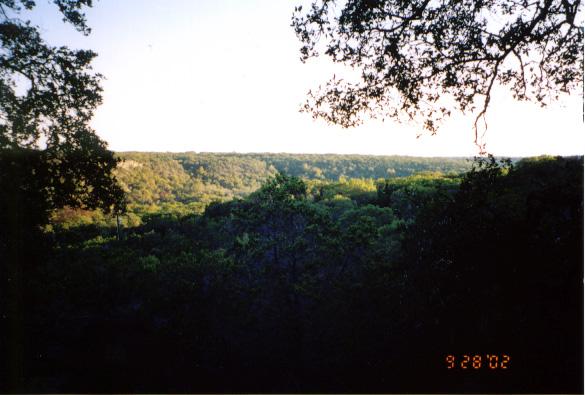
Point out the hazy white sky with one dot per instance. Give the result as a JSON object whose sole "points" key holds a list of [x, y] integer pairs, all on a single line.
{"points": [[225, 75]]}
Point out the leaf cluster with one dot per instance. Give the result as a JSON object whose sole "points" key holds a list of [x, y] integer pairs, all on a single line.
{"points": [[48, 95], [412, 54]]}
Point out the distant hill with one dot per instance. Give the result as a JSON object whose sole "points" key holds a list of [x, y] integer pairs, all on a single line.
{"points": [[202, 177], [332, 167], [185, 183]]}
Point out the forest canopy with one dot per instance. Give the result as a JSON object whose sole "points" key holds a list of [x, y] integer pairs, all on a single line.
{"points": [[183, 183], [315, 285]]}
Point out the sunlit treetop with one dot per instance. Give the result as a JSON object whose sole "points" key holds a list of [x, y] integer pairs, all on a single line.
{"points": [[422, 59]]}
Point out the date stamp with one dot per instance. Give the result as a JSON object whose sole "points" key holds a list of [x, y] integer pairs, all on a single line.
{"points": [[478, 361]]}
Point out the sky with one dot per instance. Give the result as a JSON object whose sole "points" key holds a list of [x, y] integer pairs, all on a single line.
{"points": [[225, 76]]}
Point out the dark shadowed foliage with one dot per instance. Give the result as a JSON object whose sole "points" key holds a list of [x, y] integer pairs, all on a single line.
{"points": [[293, 290]]}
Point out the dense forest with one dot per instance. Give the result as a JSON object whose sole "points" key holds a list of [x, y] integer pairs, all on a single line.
{"points": [[184, 183], [312, 273]]}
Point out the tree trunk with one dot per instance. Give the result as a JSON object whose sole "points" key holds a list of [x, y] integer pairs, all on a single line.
{"points": [[118, 227]]}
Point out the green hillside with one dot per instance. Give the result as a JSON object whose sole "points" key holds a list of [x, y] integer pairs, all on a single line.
{"points": [[179, 184], [191, 177]]}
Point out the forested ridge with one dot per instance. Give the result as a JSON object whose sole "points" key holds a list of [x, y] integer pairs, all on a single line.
{"points": [[183, 183], [235, 276]]}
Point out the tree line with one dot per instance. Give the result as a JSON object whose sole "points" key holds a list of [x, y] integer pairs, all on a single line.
{"points": [[182, 183]]}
